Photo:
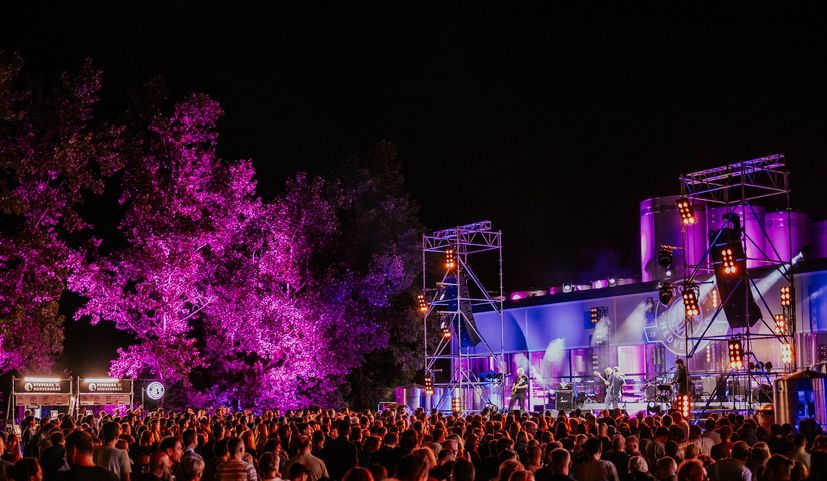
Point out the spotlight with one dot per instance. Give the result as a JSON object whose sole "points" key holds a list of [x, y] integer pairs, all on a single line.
{"points": [[665, 258], [684, 405], [568, 287], [429, 384], [421, 304], [665, 293], [780, 324], [456, 405], [450, 259], [652, 408], [446, 333], [768, 366], [690, 303], [736, 354], [686, 211], [728, 261], [612, 282], [786, 353], [786, 296]]}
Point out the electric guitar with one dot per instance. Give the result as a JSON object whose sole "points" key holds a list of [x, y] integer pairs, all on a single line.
{"points": [[517, 386]]}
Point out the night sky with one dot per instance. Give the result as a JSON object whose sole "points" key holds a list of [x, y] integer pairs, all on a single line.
{"points": [[552, 123]]}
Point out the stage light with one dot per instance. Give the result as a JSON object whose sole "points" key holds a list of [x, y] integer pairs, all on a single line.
{"points": [[736, 354], [690, 303], [684, 405], [713, 294], [446, 333], [450, 259], [786, 296], [422, 305], [456, 405], [41, 379], [595, 315], [429, 384], [568, 287], [686, 211], [768, 366], [652, 408], [665, 258], [665, 294], [100, 380], [612, 282], [708, 353], [780, 324], [728, 261], [786, 353]]}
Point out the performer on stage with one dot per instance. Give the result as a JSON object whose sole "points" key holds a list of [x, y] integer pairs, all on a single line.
{"points": [[614, 386], [681, 377], [519, 390]]}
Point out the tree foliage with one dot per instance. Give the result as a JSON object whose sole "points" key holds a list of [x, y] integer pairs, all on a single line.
{"points": [[51, 159], [302, 299]]}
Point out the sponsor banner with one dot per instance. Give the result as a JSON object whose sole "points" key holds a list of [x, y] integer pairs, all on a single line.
{"points": [[42, 386], [105, 386]]}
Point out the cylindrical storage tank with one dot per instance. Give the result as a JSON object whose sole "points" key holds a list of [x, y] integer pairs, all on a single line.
{"points": [[786, 236], [818, 239], [415, 396], [801, 395], [752, 219], [440, 393], [411, 395], [660, 223]]}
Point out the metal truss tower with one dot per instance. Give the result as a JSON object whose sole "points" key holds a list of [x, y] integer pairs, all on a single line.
{"points": [[734, 188], [453, 292]]}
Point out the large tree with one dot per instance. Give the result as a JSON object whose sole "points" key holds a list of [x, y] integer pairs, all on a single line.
{"points": [[183, 207], [276, 303], [52, 158]]}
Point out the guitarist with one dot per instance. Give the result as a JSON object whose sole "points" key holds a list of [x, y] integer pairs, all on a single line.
{"points": [[614, 386], [519, 390]]}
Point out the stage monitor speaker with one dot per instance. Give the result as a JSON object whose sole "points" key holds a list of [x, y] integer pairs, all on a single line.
{"points": [[734, 286], [463, 322], [564, 400]]}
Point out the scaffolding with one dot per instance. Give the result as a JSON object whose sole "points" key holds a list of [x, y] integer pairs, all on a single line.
{"points": [[453, 294], [736, 188]]}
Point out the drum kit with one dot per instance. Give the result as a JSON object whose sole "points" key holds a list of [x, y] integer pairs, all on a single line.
{"points": [[658, 392], [663, 390]]}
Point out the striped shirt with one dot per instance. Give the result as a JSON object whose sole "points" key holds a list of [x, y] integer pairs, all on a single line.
{"points": [[235, 470]]}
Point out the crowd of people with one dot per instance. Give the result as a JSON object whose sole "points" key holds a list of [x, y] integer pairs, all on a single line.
{"points": [[323, 444]]}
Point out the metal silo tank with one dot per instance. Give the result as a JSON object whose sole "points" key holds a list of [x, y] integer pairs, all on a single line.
{"points": [[752, 219], [783, 241], [660, 223], [818, 239]]}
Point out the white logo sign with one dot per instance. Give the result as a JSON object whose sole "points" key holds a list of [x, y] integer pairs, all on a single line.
{"points": [[155, 390]]}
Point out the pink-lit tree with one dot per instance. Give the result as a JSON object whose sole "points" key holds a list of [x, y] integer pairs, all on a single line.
{"points": [[183, 207], [51, 159]]}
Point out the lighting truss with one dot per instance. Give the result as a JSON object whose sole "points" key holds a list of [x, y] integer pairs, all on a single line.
{"points": [[737, 186], [463, 243]]}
